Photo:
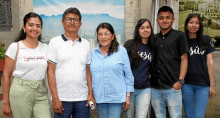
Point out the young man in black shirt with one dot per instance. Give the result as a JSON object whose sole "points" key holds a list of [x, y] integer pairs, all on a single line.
{"points": [[170, 63]]}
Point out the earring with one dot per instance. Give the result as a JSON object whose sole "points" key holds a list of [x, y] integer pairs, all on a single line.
{"points": [[24, 31]]}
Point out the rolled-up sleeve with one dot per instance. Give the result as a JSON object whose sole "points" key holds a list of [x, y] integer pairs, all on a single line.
{"points": [[129, 78]]}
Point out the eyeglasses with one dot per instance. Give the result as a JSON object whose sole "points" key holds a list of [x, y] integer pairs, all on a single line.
{"points": [[69, 20], [104, 34]]}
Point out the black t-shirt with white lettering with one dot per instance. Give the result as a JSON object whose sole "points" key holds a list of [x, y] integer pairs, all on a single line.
{"points": [[197, 72], [141, 72]]}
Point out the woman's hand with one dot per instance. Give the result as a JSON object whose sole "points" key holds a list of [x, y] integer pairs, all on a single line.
{"points": [[211, 92], [7, 109], [126, 104]]}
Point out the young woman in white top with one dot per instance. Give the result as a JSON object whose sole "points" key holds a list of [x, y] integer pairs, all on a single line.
{"points": [[27, 94]]}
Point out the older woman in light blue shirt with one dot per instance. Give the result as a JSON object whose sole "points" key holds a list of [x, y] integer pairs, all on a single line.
{"points": [[112, 79]]}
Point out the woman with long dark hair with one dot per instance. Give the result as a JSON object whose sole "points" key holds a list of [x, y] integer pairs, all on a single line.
{"points": [[27, 95], [112, 79], [139, 51], [199, 80]]}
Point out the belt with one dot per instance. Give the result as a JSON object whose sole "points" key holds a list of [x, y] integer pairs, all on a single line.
{"points": [[31, 83]]}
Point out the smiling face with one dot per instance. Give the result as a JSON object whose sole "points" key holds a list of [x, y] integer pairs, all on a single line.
{"points": [[145, 30], [71, 23], [33, 28], [105, 37], [193, 25], [165, 20]]}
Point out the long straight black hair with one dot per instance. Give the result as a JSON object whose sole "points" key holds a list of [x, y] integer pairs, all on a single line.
{"points": [[199, 34], [135, 58], [22, 34]]}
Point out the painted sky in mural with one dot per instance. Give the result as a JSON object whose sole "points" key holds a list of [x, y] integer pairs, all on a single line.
{"points": [[93, 13]]}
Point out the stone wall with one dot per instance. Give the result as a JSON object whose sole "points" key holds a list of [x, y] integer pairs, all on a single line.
{"points": [[214, 104]]}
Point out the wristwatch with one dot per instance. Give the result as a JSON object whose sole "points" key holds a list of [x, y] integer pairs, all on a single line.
{"points": [[182, 81]]}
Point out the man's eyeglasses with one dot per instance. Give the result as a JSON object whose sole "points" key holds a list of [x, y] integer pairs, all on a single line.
{"points": [[69, 20]]}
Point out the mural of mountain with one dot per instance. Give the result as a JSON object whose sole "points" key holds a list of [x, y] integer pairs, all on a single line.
{"points": [[52, 25]]}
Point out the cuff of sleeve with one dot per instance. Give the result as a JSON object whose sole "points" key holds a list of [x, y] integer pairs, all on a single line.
{"points": [[51, 61], [130, 89]]}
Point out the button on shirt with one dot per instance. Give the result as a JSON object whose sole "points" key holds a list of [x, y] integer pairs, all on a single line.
{"points": [[111, 76], [71, 59], [167, 50]]}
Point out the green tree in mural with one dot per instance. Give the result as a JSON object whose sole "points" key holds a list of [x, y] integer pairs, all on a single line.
{"points": [[208, 24]]}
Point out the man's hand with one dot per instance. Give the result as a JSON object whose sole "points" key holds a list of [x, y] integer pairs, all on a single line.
{"points": [[177, 85], [58, 106], [90, 98]]}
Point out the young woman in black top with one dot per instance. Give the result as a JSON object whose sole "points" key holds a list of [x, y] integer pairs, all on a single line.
{"points": [[199, 80], [139, 52]]}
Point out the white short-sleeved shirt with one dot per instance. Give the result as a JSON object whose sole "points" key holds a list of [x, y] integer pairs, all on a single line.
{"points": [[31, 63], [71, 59]]}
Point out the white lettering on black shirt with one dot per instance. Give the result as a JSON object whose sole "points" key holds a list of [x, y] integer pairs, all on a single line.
{"points": [[144, 55], [196, 51]]}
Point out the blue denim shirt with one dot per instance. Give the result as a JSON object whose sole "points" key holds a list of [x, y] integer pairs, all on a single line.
{"points": [[111, 76]]}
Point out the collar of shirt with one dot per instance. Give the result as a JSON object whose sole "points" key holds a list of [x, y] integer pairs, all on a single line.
{"points": [[165, 35], [66, 39], [98, 48]]}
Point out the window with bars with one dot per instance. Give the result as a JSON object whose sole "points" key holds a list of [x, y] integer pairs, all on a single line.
{"points": [[5, 15]]}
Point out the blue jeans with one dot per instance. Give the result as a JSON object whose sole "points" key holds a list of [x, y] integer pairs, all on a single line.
{"points": [[76, 109], [109, 110], [170, 97], [195, 100], [140, 101]]}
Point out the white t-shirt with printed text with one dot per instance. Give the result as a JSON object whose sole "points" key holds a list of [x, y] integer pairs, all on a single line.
{"points": [[31, 63]]}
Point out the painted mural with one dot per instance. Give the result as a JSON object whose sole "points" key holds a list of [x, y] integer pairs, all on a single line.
{"points": [[209, 10], [93, 13]]}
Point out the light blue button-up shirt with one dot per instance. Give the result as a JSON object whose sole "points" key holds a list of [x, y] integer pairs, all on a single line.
{"points": [[111, 76]]}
